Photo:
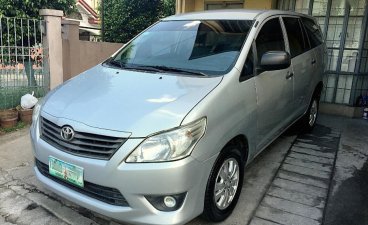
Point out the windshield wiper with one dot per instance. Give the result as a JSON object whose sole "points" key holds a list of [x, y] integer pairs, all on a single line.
{"points": [[178, 70], [132, 67], [159, 69], [143, 68], [115, 63]]}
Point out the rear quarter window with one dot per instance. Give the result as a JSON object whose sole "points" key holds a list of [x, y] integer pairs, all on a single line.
{"points": [[314, 34], [297, 42]]}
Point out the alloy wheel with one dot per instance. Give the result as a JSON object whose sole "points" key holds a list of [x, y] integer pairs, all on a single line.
{"points": [[227, 182], [313, 113]]}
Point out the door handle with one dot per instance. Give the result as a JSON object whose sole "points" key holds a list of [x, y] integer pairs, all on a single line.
{"points": [[289, 75], [313, 61]]}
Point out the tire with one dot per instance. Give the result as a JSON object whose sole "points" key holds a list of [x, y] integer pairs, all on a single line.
{"points": [[308, 121], [218, 209]]}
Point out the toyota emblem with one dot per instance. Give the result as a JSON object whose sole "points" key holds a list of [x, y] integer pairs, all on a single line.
{"points": [[67, 133]]}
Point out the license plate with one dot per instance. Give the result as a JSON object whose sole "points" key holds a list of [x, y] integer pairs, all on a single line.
{"points": [[66, 171]]}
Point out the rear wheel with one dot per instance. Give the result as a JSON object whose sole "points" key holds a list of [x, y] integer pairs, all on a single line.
{"points": [[308, 121], [224, 185], [313, 113]]}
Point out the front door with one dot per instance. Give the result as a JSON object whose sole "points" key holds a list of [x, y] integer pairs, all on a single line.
{"points": [[274, 88]]}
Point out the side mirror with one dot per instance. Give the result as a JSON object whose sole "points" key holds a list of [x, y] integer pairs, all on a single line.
{"points": [[275, 60]]}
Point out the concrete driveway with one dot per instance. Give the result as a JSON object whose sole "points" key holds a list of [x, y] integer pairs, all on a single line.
{"points": [[291, 182]]}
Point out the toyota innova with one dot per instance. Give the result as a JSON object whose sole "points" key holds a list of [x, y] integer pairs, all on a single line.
{"points": [[161, 132]]}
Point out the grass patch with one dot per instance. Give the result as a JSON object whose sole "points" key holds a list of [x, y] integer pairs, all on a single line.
{"points": [[20, 125]]}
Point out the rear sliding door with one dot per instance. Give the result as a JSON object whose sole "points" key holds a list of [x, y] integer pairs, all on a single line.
{"points": [[302, 61]]}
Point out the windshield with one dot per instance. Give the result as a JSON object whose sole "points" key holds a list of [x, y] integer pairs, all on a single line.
{"points": [[208, 47]]}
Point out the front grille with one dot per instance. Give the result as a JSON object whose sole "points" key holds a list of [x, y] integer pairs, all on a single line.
{"points": [[83, 144], [105, 194]]}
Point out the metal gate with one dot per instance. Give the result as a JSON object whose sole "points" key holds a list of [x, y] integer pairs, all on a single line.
{"points": [[23, 60], [345, 26]]}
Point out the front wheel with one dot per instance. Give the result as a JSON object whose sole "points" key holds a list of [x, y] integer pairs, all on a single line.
{"points": [[308, 121], [224, 185]]}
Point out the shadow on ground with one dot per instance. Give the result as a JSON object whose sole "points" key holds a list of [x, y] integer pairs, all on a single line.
{"points": [[349, 205]]}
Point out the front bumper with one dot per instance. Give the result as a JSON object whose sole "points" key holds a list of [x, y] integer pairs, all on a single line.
{"points": [[134, 181]]}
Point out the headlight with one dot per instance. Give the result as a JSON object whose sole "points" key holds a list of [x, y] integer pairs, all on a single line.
{"points": [[171, 145], [36, 111]]}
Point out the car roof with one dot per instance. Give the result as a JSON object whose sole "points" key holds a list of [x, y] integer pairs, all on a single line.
{"points": [[231, 14]]}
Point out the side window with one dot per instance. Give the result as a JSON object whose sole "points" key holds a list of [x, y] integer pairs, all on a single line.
{"points": [[305, 35], [297, 42], [314, 34], [270, 38]]}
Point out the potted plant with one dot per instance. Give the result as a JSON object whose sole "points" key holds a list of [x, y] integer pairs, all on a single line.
{"points": [[25, 115], [8, 118]]}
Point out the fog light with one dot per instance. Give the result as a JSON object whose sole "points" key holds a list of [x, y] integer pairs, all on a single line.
{"points": [[166, 203], [169, 201]]}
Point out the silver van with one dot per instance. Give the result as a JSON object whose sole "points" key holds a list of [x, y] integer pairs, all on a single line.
{"points": [[160, 132]]}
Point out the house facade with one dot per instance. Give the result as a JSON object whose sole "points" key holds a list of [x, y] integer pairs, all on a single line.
{"points": [[200, 5], [89, 28], [344, 25]]}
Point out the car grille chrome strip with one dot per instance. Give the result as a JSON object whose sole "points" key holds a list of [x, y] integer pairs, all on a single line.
{"points": [[108, 195], [83, 144]]}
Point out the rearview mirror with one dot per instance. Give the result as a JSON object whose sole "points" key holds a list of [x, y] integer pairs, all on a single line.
{"points": [[275, 60]]}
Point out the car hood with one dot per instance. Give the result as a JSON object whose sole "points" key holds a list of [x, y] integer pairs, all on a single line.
{"points": [[129, 101]]}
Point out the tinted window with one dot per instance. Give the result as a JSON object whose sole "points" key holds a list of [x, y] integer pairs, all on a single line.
{"points": [[208, 46], [314, 34], [305, 35], [270, 38], [295, 36]]}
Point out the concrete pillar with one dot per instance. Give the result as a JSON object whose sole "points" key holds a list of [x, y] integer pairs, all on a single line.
{"points": [[179, 6], [71, 59], [53, 43]]}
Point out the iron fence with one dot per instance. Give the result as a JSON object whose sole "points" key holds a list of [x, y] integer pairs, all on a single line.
{"points": [[23, 60]]}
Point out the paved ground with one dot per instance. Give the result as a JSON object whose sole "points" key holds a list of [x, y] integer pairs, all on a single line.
{"points": [[289, 183], [299, 192], [348, 202]]}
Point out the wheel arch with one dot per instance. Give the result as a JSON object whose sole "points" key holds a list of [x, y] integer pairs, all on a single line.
{"points": [[242, 141]]}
